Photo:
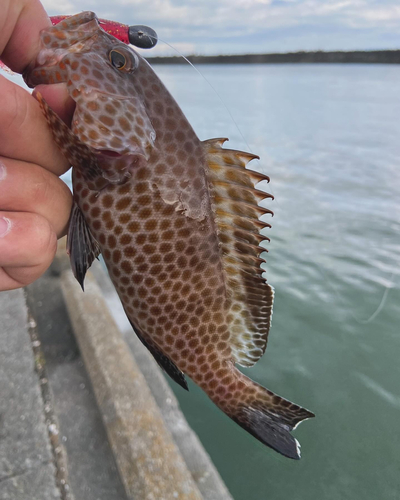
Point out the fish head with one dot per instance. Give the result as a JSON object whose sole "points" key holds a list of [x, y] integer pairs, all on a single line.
{"points": [[124, 118], [101, 74]]}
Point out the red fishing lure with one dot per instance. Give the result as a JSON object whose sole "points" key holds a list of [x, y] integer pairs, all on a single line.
{"points": [[138, 35]]}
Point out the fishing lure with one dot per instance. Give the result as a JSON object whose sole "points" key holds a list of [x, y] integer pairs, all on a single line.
{"points": [[137, 35]]}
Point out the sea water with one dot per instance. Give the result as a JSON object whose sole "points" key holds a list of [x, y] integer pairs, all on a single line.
{"points": [[329, 138]]}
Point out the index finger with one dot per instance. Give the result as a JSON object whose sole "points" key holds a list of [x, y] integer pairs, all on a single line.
{"points": [[21, 22], [24, 133]]}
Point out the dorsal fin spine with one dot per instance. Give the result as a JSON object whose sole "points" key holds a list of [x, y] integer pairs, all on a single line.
{"points": [[248, 223], [242, 193], [245, 208], [246, 175]]}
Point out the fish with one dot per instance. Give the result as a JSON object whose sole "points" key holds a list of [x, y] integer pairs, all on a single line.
{"points": [[177, 220]]}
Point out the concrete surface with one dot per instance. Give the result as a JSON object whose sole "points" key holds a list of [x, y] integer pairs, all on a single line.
{"points": [[91, 472], [32, 484], [149, 462], [53, 442], [27, 470], [202, 469]]}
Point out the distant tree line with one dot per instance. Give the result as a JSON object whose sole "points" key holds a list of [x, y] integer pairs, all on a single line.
{"points": [[358, 56]]}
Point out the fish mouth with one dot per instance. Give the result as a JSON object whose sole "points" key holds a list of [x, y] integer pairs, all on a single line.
{"points": [[109, 152]]}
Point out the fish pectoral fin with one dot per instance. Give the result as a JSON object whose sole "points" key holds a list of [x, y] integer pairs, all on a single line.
{"points": [[82, 248], [162, 359], [75, 151]]}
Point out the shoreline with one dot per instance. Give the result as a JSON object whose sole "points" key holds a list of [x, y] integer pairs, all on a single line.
{"points": [[342, 57]]}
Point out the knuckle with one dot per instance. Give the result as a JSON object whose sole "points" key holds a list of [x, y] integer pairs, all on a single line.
{"points": [[44, 240], [50, 191], [61, 192], [40, 187]]}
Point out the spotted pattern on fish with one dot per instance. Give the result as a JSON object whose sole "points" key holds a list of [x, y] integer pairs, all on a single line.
{"points": [[177, 221]]}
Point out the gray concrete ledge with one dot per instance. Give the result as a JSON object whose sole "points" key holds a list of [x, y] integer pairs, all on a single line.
{"points": [[102, 303], [32, 484], [149, 462], [27, 471], [197, 460], [86, 468], [56, 396]]}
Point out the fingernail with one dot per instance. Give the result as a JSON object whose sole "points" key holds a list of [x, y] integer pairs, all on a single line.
{"points": [[3, 171], [5, 226]]}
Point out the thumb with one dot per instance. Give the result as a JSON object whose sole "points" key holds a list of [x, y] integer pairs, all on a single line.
{"points": [[59, 100]]}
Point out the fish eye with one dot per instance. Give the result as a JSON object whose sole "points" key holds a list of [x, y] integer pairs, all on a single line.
{"points": [[123, 59], [117, 59]]}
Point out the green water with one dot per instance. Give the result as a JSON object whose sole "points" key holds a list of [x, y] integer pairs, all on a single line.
{"points": [[329, 137]]}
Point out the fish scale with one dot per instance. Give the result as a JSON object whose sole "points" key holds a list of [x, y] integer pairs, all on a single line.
{"points": [[177, 221]]}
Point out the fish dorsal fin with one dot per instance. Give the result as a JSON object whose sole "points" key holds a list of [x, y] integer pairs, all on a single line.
{"points": [[235, 199]]}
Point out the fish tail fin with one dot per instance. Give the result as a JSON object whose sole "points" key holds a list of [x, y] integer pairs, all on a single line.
{"points": [[266, 416]]}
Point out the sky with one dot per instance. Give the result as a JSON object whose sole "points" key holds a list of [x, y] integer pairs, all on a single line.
{"points": [[253, 26]]}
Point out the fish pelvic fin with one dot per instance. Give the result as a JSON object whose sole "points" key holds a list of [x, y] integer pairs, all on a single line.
{"points": [[82, 248], [266, 416]]}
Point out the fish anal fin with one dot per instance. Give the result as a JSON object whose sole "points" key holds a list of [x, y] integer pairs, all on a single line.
{"points": [[81, 245], [235, 203], [162, 359]]}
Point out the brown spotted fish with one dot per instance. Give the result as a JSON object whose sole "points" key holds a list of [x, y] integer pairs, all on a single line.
{"points": [[176, 220]]}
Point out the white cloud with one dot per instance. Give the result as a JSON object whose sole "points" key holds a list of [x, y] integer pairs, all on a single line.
{"points": [[65, 7], [233, 23], [381, 14]]}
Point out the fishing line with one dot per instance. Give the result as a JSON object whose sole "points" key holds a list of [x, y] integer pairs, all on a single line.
{"points": [[381, 305], [340, 298], [212, 87], [377, 310]]}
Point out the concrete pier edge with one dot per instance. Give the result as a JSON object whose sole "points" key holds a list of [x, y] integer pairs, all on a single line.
{"points": [[150, 463]]}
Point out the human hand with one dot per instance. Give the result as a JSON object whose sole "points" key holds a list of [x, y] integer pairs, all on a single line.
{"points": [[34, 203]]}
